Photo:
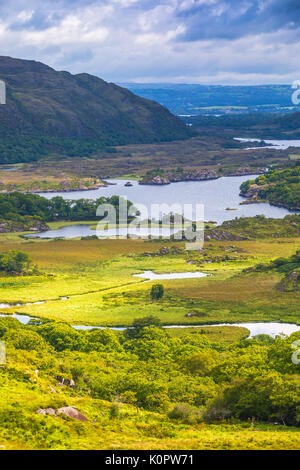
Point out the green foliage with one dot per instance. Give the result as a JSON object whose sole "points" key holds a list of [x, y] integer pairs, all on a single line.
{"points": [[266, 397], [114, 411], [200, 363], [26, 340], [279, 187], [14, 262], [262, 227], [139, 324], [61, 336], [39, 119], [281, 265], [18, 207], [157, 291], [185, 413], [184, 380]]}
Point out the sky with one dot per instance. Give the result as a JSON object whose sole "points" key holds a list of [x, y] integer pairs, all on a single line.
{"points": [[170, 41]]}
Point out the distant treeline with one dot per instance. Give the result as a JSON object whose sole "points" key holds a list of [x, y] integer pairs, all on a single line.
{"points": [[24, 148], [230, 121], [17, 206]]}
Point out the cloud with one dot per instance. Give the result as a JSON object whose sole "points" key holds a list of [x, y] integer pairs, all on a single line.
{"points": [[195, 41], [238, 18]]}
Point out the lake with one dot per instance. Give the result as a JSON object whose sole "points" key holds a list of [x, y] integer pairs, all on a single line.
{"points": [[74, 231], [272, 144], [216, 196]]}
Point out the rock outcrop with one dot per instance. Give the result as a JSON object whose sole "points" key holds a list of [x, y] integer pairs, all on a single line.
{"points": [[290, 282], [222, 235], [32, 225], [244, 171], [70, 411], [252, 195], [175, 177]]}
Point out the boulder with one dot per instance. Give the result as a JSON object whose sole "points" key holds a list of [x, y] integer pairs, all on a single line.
{"points": [[71, 412], [47, 411]]}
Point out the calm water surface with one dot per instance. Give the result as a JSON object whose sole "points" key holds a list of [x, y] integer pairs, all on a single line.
{"points": [[271, 329], [151, 276], [272, 144], [216, 196]]}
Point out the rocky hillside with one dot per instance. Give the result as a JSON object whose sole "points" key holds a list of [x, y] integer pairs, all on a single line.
{"points": [[279, 187], [161, 177], [49, 111]]}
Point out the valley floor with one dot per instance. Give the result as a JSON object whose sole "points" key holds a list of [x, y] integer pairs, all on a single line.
{"points": [[126, 387], [96, 276]]}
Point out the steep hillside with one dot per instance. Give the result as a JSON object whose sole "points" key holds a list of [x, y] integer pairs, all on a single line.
{"points": [[49, 111]]}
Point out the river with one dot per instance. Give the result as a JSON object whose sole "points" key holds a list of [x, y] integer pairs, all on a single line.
{"points": [[215, 195], [272, 329]]}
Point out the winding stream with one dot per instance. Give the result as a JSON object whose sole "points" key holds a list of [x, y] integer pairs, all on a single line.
{"points": [[151, 276], [216, 195]]}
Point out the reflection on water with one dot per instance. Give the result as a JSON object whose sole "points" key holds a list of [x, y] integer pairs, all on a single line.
{"points": [[215, 195], [271, 144], [75, 231], [151, 276], [271, 329]]}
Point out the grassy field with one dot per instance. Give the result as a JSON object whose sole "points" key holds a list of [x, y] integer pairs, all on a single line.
{"points": [[223, 334], [134, 431], [127, 388], [96, 276], [22, 428], [209, 150]]}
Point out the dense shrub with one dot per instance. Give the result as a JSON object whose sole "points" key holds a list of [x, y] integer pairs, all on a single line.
{"points": [[14, 262], [157, 291]]}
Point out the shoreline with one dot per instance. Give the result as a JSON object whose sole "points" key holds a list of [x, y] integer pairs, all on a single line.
{"points": [[199, 175], [168, 179], [120, 327]]}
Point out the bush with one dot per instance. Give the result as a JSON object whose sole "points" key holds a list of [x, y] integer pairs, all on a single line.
{"points": [[139, 324], [157, 291], [14, 262], [26, 340], [200, 363], [114, 411], [218, 411], [62, 336], [184, 412]]}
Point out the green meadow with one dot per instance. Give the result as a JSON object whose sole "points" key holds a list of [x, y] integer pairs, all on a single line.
{"points": [[208, 387], [97, 277]]}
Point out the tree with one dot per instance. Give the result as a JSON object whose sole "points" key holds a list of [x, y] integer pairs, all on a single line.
{"points": [[200, 363], [157, 291], [14, 262], [139, 324]]}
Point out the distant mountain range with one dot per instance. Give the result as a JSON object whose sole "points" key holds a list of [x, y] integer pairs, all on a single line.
{"points": [[56, 112], [258, 125], [189, 99]]}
